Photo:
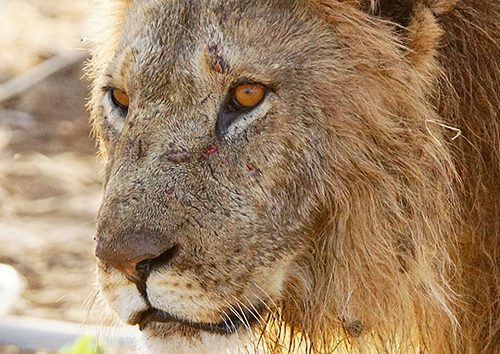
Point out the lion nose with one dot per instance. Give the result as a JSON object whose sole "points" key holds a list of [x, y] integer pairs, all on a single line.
{"points": [[134, 255]]}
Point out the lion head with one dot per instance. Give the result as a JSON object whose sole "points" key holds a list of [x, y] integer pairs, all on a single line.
{"points": [[276, 176]]}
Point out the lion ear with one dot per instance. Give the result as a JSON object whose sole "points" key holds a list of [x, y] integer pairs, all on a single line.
{"points": [[402, 11], [419, 19], [399, 11]]}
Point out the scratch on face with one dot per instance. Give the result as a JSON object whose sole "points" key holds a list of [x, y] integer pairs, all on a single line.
{"points": [[178, 155], [215, 60], [252, 170], [210, 151]]}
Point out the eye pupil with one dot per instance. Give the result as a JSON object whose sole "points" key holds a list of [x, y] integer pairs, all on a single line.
{"points": [[249, 95], [120, 98]]}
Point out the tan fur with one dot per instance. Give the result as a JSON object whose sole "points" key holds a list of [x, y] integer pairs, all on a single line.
{"points": [[370, 221]]}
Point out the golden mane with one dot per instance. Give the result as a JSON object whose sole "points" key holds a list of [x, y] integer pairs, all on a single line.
{"points": [[440, 292]]}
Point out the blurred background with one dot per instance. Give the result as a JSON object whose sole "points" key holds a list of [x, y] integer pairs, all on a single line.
{"points": [[49, 174]]}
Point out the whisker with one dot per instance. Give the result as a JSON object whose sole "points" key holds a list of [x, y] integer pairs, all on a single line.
{"points": [[89, 305], [266, 294], [239, 303], [237, 314], [255, 312], [229, 319]]}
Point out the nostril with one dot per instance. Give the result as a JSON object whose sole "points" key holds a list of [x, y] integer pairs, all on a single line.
{"points": [[144, 267], [162, 260]]}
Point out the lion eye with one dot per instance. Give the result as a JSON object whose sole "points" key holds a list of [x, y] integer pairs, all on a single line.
{"points": [[241, 109], [120, 99], [249, 95]]}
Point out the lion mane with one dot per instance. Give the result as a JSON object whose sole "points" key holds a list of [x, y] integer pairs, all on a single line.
{"points": [[407, 258]]}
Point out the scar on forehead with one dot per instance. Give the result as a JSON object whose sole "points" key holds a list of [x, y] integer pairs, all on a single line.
{"points": [[215, 60]]}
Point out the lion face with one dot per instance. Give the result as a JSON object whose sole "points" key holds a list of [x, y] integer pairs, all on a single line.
{"points": [[213, 130], [254, 151]]}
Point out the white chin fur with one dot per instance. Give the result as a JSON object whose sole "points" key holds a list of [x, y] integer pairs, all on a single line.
{"points": [[206, 343]]}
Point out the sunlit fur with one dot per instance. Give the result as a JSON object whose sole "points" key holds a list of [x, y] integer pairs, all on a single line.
{"points": [[400, 221]]}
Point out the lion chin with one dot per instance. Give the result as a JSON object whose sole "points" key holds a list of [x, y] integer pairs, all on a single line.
{"points": [[172, 338]]}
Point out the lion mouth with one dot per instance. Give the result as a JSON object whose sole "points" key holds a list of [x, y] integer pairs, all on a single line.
{"points": [[239, 319]]}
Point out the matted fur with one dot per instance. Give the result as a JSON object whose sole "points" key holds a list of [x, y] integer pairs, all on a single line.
{"points": [[396, 207]]}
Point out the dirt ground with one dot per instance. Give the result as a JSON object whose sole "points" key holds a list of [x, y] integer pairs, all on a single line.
{"points": [[49, 176]]}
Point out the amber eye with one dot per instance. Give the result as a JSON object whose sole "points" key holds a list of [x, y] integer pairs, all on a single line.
{"points": [[249, 95], [120, 98]]}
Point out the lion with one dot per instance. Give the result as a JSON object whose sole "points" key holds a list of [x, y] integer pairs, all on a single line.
{"points": [[306, 176]]}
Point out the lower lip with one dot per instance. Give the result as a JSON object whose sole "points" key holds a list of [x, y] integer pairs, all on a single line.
{"points": [[156, 316]]}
